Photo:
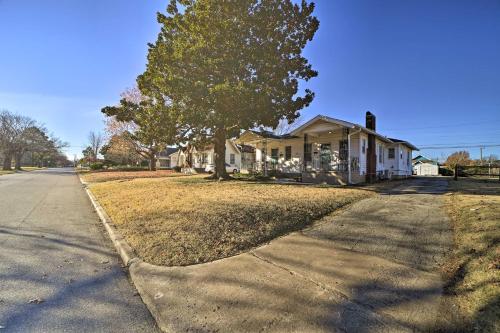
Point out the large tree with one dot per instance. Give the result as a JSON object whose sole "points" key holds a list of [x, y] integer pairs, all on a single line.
{"points": [[20, 135], [31, 139], [459, 158], [48, 151], [96, 140], [121, 149], [15, 133], [231, 65], [153, 120]]}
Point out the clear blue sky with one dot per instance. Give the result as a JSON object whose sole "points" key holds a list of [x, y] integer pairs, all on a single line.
{"points": [[429, 70]]}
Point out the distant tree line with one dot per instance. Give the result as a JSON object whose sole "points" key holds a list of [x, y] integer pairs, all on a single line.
{"points": [[24, 142], [463, 158]]}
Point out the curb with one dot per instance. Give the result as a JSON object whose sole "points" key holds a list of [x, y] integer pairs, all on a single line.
{"points": [[128, 256], [125, 251]]}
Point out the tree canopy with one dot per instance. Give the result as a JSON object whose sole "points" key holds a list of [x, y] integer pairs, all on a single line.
{"points": [[154, 123], [231, 65], [459, 157]]}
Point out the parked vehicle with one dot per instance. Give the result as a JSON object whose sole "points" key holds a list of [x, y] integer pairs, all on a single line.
{"points": [[229, 168]]}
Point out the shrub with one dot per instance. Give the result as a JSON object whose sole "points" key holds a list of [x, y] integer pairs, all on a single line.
{"points": [[445, 172], [96, 166]]}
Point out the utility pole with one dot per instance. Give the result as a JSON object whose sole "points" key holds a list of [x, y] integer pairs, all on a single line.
{"points": [[481, 154]]}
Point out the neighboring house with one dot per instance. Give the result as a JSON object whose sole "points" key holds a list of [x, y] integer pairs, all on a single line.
{"points": [[247, 158], [164, 158], [423, 166], [330, 150], [202, 159]]}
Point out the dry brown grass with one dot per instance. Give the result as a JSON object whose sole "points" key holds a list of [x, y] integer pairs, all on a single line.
{"points": [[474, 267], [105, 175], [6, 172], [189, 220]]}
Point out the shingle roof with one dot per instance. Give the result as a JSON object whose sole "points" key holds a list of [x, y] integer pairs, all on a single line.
{"points": [[271, 135], [168, 151], [293, 134], [406, 143]]}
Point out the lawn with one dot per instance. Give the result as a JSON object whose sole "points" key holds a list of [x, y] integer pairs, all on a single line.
{"points": [[31, 168], [105, 175], [6, 172], [188, 220], [473, 270]]}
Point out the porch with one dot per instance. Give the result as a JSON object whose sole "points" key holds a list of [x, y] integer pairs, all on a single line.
{"points": [[323, 152]]}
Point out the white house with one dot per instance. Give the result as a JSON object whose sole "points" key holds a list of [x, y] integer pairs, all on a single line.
{"points": [[166, 159], [330, 150], [201, 159], [423, 166]]}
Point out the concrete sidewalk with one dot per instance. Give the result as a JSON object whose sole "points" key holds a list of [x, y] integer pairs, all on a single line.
{"points": [[371, 268]]}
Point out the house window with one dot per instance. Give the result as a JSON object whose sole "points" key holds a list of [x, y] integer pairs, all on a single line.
{"points": [[409, 159], [308, 152], [363, 146], [232, 159], [288, 153], [343, 150], [380, 154], [325, 156], [274, 155], [391, 154]]}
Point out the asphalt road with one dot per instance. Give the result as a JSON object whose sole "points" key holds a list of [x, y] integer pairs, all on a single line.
{"points": [[58, 270]]}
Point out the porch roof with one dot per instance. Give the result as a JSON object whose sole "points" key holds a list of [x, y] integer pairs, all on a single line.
{"points": [[253, 135], [338, 122]]}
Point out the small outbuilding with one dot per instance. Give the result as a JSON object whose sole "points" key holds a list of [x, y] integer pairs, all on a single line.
{"points": [[423, 166]]}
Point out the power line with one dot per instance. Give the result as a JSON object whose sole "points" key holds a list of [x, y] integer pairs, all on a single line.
{"points": [[449, 147], [445, 126], [457, 143]]}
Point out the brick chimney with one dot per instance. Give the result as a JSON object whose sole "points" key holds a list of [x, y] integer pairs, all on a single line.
{"points": [[370, 121], [371, 154]]}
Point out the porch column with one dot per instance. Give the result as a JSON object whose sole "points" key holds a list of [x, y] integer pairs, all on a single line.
{"points": [[349, 167], [264, 155], [304, 164]]}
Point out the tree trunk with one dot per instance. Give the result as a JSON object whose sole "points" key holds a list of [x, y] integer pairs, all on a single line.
{"points": [[189, 156], [220, 154], [18, 158], [152, 161], [7, 161]]}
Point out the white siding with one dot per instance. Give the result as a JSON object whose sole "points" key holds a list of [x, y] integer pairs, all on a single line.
{"points": [[426, 169], [363, 140], [381, 153], [230, 149]]}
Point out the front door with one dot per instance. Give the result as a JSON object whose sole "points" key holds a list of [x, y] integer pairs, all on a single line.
{"points": [[274, 158], [325, 156]]}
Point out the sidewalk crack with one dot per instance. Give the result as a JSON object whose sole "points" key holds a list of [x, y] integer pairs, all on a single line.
{"points": [[382, 318]]}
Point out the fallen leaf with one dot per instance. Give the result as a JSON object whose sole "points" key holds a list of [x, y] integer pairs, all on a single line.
{"points": [[36, 301]]}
